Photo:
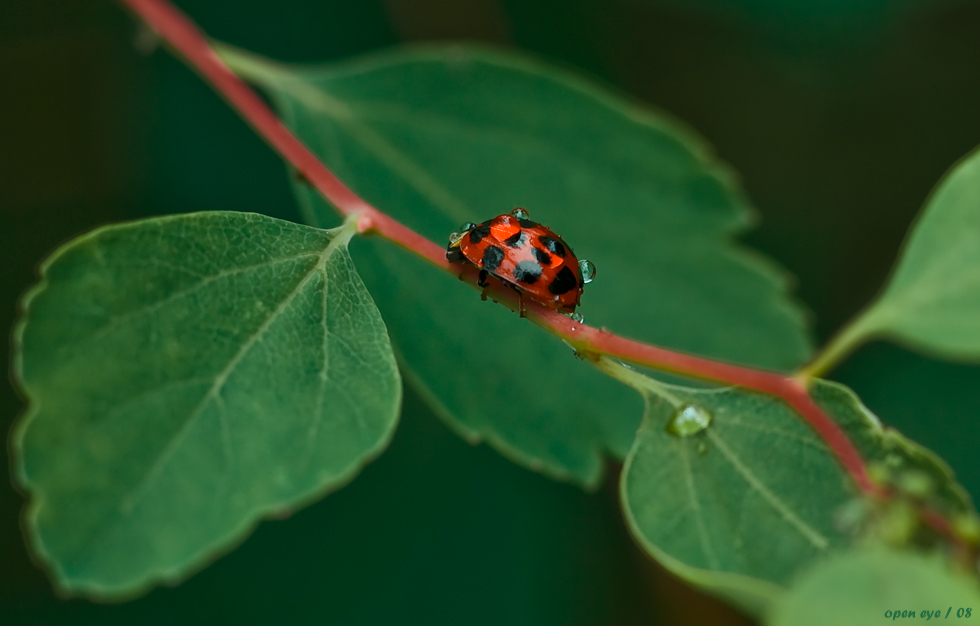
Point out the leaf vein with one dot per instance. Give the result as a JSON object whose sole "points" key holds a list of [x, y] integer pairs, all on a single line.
{"points": [[709, 551], [815, 538], [219, 381], [174, 297]]}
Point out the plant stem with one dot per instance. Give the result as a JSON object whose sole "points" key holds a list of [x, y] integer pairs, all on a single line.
{"points": [[856, 332], [182, 35], [643, 384], [179, 32]]}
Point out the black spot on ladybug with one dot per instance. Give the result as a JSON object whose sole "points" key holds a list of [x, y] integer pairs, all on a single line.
{"points": [[553, 246], [492, 257], [563, 283], [454, 255], [516, 240], [543, 257], [526, 223], [527, 272], [477, 234]]}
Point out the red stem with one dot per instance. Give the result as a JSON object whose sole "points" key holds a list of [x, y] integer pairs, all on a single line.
{"points": [[178, 31], [183, 35]]}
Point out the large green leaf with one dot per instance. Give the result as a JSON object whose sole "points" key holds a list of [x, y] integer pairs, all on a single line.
{"points": [[745, 503], [438, 137], [187, 376], [932, 301], [875, 585]]}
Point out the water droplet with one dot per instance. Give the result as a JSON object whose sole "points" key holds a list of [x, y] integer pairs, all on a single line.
{"points": [[879, 473], [702, 448], [915, 483], [588, 271], [576, 317], [520, 213], [898, 523], [688, 420], [852, 516], [467, 226], [967, 527], [453, 237]]}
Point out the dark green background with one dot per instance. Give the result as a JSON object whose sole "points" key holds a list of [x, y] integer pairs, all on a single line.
{"points": [[839, 117]]}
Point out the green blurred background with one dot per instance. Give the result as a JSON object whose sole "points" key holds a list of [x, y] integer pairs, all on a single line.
{"points": [[839, 116]]}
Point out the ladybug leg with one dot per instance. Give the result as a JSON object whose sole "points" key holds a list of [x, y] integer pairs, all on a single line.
{"points": [[522, 310], [483, 280]]}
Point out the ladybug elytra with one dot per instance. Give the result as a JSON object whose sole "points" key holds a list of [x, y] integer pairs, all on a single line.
{"points": [[525, 256]]}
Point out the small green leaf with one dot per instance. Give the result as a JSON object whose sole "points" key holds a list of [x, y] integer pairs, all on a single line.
{"points": [[737, 506], [187, 376], [442, 136], [753, 496], [932, 301], [894, 458], [874, 585]]}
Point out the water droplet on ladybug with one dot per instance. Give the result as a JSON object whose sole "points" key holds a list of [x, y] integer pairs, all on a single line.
{"points": [[520, 213], [688, 420], [588, 271], [453, 237], [467, 226]]}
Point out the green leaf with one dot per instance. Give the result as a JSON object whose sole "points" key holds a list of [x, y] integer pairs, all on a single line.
{"points": [[932, 301], [741, 506], [736, 507], [871, 585], [187, 376], [442, 136]]}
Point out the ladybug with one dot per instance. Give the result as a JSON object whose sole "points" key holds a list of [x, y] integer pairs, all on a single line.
{"points": [[526, 256]]}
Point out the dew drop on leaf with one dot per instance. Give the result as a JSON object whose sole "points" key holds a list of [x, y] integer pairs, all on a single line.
{"points": [[688, 420]]}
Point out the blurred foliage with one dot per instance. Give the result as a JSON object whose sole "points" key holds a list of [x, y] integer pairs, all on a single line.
{"points": [[871, 585], [838, 120]]}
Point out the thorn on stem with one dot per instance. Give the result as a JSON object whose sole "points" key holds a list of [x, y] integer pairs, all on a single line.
{"points": [[365, 223], [301, 178]]}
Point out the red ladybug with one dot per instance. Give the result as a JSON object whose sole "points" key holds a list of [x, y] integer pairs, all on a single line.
{"points": [[525, 256]]}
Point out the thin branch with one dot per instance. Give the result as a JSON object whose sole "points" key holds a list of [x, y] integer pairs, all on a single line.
{"points": [[183, 36], [180, 33], [856, 332]]}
